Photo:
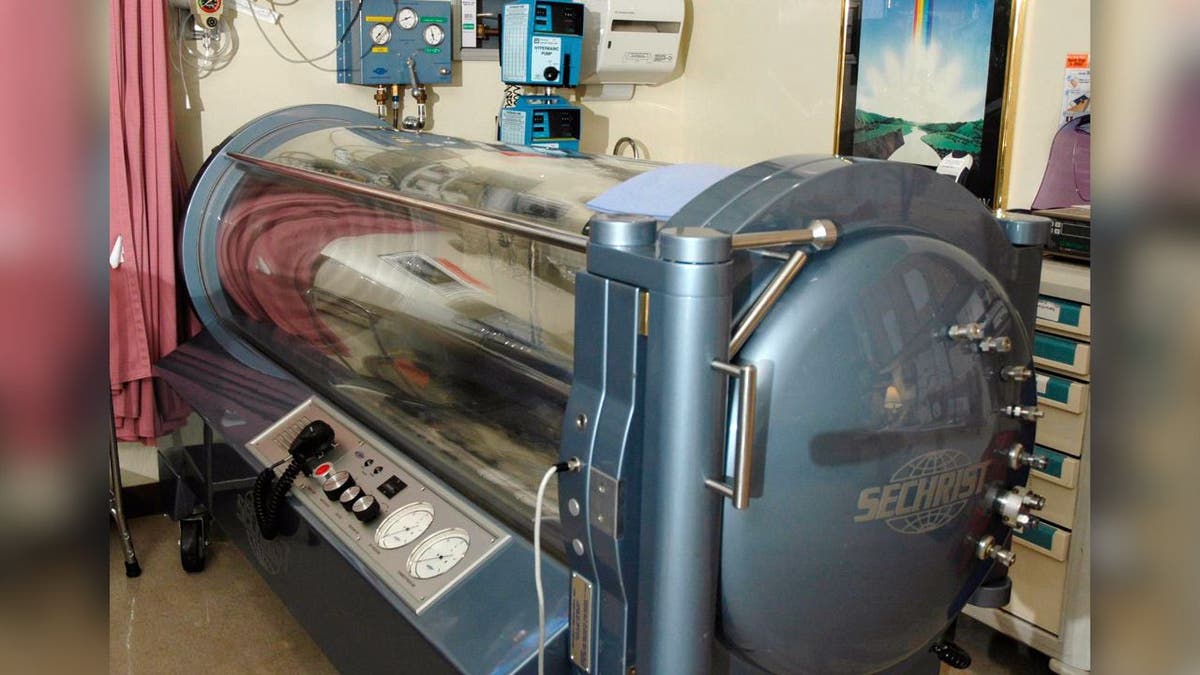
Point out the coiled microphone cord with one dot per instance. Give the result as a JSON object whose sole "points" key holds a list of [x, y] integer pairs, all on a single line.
{"points": [[269, 495]]}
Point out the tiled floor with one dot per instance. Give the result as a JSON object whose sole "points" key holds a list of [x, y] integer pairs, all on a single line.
{"points": [[222, 620], [226, 619]]}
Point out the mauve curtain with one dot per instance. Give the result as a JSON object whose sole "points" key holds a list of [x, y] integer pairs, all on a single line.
{"points": [[145, 320]]}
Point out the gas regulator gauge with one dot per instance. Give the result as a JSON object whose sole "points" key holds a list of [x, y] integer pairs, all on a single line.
{"points": [[434, 34], [407, 18], [439, 553], [381, 34], [404, 525]]}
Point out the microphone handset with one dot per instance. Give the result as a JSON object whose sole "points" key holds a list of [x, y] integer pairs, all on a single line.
{"points": [[310, 445]]}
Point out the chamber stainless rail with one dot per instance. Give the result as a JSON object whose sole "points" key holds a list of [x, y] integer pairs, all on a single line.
{"points": [[766, 300], [516, 226], [743, 459], [822, 234]]}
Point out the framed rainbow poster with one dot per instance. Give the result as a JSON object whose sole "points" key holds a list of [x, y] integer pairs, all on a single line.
{"points": [[923, 79]]}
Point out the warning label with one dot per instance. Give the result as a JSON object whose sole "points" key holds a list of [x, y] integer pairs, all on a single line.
{"points": [[516, 31], [512, 127]]}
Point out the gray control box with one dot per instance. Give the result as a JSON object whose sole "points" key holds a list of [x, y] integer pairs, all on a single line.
{"points": [[425, 538]]}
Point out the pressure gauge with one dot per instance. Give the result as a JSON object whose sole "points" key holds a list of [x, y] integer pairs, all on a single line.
{"points": [[434, 34], [404, 525], [438, 554], [407, 18], [381, 34]]}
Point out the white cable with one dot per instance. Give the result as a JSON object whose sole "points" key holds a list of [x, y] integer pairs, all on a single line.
{"points": [[537, 567], [303, 58]]}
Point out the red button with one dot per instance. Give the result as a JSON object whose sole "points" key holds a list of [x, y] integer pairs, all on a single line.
{"points": [[322, 469]]}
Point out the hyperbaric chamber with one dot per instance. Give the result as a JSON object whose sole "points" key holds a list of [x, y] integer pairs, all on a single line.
{"points": [[427, 286]]}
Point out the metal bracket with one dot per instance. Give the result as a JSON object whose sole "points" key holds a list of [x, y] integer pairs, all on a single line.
{"points": [[605, 503], [739, 492]]}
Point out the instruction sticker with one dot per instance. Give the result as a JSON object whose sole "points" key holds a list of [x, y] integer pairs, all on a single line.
{"points": [[547, 53], [516, 32], [512, 127]]}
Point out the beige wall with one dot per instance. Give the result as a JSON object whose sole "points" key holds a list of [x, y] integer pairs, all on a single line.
{"points": [[759, 81], [737, 101]]}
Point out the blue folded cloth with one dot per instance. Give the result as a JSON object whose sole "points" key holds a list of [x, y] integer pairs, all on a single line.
{"points": [[660, 192]]}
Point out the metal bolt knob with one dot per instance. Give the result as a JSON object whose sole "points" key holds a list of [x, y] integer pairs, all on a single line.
{"points": [[1037, 462], [1013, 506], [987, 548], [1016, 373], [1025, 413], [1024, 521], [999, 345], [1033, 501], [1018, 458], [966, 331], [1003, 556]]}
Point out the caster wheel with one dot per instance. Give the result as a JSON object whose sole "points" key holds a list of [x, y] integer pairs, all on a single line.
{"points": [[193, 543]]}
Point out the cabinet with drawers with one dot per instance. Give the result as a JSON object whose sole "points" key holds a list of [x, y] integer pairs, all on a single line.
{"points": [[1051, 608]]}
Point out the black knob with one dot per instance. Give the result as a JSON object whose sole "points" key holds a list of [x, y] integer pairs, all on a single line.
{"points": [[366, 508], [336, 484], [550, 74], [349, 495]]}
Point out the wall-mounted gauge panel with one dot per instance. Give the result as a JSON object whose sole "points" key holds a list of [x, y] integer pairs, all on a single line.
{"points": [[382, 35]]}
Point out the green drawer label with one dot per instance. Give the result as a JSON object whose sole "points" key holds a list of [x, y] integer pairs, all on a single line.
{"points": [[1059, 311], [1054, 348], [1041, 536], [1054, 388], [1054, 461]]}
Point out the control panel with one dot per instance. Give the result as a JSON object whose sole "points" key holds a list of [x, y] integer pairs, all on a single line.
{"points": [[381, 36], [541, 43], [415, 534], [546, 121]]}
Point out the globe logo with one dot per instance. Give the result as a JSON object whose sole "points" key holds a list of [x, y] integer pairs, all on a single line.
{"points": [[926, 493], [929, 464]]}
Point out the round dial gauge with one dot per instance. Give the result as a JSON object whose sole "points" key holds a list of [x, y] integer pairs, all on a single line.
{"points": [[434, 34], [381, 34], [438, 554], [407, 18], [404, 525]]}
